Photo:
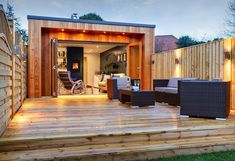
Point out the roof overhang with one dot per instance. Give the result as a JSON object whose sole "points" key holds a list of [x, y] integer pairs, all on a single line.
{"points": [[32, 17]]}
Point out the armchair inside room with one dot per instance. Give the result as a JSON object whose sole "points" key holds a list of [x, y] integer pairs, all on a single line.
{"points": [[102, 84], [68, 83]]}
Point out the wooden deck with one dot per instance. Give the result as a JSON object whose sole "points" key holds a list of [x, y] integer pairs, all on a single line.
{"points": [[88, 127]]}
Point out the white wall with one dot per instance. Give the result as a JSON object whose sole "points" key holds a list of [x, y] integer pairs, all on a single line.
{"points": [[93, 66]]}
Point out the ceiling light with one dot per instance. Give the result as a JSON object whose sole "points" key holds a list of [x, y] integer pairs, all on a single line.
{"points": [[123, 33], [62, 30], [84, 31], [104, 32]]}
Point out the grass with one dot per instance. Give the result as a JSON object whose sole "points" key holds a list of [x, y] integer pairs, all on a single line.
{"points": [[219, 156]]}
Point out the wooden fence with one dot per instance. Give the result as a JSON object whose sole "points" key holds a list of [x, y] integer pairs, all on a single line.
{"points": [[205, 61], [12, 82]]}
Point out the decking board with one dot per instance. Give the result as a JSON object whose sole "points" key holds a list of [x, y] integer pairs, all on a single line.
{"points": [[86, 127]]}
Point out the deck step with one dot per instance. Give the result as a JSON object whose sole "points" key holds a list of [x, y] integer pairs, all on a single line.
{"points": [[127, 151], [21, 144]]}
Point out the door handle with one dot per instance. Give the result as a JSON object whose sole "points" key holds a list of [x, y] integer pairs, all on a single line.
{"points": [[54, 67]]}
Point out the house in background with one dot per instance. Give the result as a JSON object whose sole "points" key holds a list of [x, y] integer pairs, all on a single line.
{"points": [[165, 43]]}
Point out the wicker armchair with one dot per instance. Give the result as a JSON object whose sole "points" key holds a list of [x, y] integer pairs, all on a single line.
{"points": [[205, 99]]}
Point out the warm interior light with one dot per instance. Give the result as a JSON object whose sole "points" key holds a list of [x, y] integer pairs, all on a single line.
{"points": [[123, 33], [104, 32], [62, 30], [84, 31]]}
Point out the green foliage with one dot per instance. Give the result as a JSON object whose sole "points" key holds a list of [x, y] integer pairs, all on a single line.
{"points": [[219, 156], [91, 16], [10, 12], [11, 15], [186, 41]]}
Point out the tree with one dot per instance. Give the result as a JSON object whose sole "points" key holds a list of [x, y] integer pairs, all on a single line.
{"points": [[91, 16], [10, 12], [11, 15], [231, 18], [186, 41]]}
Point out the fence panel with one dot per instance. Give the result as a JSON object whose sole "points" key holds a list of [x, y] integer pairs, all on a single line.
{"points": [[12, 83], [205, 61]]}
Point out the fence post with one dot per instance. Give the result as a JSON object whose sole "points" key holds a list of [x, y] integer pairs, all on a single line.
{"points": [[22, 77], [13, 85]]}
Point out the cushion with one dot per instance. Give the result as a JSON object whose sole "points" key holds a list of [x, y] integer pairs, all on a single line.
{"points": [[105, 78], [118, 75], [173, 82], [122, 82], [102, 84], [171, 90], [160, 89], [217, 80], [189, 79]]}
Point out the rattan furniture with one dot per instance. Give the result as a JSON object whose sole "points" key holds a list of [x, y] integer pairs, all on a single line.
{"points": [[137, 98], [205, 99], [166, 90]]}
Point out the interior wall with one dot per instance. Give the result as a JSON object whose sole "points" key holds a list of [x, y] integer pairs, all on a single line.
{"points": [[108, 59], [93, 66]]}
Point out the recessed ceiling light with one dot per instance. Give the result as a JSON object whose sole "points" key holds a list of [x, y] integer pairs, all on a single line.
{"points": [[62, 30], [123, 33], [84, 31], [104, 32]]}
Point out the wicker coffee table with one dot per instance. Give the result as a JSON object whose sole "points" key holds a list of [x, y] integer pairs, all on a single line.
{"points": [[137, 98]]}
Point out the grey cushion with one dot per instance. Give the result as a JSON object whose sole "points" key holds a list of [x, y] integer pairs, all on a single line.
{"points": [[171, 90], [217, 80], [122, 82], [160, 89], [189, 79], [173, 82], [166, 90]]}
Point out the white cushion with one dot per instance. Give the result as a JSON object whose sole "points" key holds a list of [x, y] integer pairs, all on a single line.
{"points": [[106, 77], [118, 75], [173, 82]]}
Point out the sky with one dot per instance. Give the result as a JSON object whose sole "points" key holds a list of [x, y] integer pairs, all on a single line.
{"points": [[200, 19]]}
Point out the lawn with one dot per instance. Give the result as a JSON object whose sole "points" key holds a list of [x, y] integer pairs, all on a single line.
{"points": [[219, 156]]}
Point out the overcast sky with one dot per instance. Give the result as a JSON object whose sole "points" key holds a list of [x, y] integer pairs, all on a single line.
{"points": [[201, 19]]}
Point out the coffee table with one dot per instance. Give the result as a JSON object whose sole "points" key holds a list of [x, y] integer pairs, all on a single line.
{"points": [[137, 98]]}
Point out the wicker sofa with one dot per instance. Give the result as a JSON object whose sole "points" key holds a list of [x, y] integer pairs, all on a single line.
{"points": [[166, 90], [114, 84], [210, 99]]}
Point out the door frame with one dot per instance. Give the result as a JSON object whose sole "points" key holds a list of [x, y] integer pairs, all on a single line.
{"points": [[139, 45], [54, 64]]}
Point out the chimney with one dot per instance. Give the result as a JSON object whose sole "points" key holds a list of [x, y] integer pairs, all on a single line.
{"points": [[74, 16]]}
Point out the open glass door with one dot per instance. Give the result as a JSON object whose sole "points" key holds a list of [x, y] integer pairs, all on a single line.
{"points": [[134, 60], [54, 49]]}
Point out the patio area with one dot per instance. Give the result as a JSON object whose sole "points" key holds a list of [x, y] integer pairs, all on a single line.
{"points": [[84, 126]]}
